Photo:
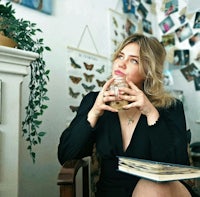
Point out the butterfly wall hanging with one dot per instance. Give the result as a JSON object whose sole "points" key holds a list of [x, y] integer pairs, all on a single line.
{"points": [[86, 72]]}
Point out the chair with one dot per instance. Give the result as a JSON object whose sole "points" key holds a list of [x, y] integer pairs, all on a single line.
{"points": [[90, 174], [67, 178]]}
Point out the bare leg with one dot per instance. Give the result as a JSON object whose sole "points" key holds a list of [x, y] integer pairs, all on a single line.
{"points": [[148, 188]]}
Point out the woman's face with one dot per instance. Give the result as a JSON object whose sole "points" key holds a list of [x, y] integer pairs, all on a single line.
{"points": [[127, 64]]}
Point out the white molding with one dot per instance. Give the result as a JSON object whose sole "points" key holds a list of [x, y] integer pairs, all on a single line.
{"points": [[15, 61], [14, 66]]}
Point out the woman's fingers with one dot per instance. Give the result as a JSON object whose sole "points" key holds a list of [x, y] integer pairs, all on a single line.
{"points": [[104, 97], [107, 85], [134, 96]]}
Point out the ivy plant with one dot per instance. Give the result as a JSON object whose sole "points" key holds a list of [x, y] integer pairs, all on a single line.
{"points": [[25, 34]]}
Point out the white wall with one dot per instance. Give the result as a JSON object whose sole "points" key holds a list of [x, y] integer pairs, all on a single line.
{"points": [[61, 29]]}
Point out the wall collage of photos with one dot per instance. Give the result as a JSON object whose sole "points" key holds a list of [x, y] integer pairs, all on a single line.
{"points": [[88, 72], [179, 30], [185, 35]]}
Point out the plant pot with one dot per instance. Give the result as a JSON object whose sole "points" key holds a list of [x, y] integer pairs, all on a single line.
{"points": [[5, 41]]}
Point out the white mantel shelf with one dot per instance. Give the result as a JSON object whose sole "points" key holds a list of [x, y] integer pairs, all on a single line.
{"points": [[14, 66], [18, 60]]}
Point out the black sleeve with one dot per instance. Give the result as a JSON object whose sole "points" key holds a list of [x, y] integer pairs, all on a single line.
{"points": [[169, 141], [77, 140]]}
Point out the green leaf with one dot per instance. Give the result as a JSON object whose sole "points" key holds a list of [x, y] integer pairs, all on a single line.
{"points": [[45, 98], [33, 155], [41, 134], [47, 72], [35, 142], [44, 106], [37, 122], [33, 133], [39, 140], [48, 48], [28, 139]]}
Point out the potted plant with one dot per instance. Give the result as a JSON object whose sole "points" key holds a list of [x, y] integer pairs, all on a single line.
{"points": [[6, 11], [23, 34]]}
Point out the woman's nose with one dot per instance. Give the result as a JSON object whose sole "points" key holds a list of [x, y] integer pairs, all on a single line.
{"points": [[122, 64]]}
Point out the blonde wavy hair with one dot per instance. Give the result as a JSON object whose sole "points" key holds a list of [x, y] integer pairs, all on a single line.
{"points": [[151, 64]]}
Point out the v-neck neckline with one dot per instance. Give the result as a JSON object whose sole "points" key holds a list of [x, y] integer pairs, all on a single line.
{"points": [[120, 133]]}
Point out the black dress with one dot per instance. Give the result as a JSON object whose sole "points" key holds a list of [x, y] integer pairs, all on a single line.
{"points": [[165, 141]]}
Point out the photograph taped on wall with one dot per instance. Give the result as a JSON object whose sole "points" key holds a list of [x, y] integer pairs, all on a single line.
{"points": [[168, 40], [171, 6], [147, 26], [197, 21], [128, 6], [181, 57], [166, 24], [142, 10], [190, 71], [194, 39], [183, 32], [182, 18], [85, 72], [40, 5], [198, 56], [197, 81]]}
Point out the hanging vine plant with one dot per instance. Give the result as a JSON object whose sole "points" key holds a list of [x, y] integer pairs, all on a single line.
{"points": [[24, 32]]}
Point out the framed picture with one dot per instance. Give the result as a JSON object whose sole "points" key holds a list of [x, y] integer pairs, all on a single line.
{"points": [[40, 5]]}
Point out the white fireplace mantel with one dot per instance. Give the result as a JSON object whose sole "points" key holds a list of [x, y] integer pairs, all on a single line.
{"points": [[18, 60], [14, 66]]}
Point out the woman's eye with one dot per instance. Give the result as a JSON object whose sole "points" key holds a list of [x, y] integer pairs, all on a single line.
{"points": [[134, 61], [120, 57]]}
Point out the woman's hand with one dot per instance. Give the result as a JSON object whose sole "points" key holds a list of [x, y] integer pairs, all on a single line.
{"points": [[138, 99], [100, 105]]}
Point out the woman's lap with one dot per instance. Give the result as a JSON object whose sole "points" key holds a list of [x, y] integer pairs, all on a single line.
{"points": [[186, 191], [168, 189]]}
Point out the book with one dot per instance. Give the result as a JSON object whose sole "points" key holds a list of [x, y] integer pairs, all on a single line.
{"points": [[157, 171]]}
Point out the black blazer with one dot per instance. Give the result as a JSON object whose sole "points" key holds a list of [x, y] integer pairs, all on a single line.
{"points": [[165, 141]]}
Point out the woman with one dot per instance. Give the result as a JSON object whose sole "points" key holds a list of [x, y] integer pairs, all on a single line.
{"points": [[151, 126]]}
